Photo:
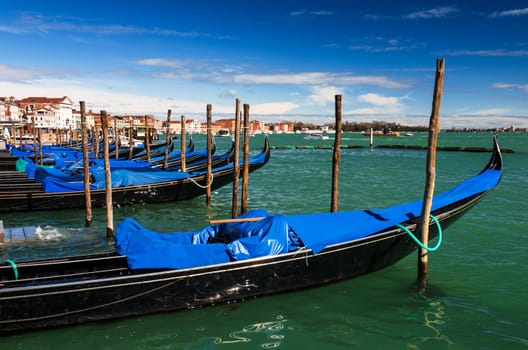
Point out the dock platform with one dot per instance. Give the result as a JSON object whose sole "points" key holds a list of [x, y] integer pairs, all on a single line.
{"points": [[15, 235]]}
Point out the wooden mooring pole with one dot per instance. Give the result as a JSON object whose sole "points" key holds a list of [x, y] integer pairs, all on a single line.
{"points": [[86, 168], [130, 139], [167, 140], [423, 261], [236, 161], [208, 182], [116, 139], [245, 171], [183, 146], [336, 155], [147, 139], [108, 178], [40, 146]]}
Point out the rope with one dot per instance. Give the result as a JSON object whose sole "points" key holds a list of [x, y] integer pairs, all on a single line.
{"points": [[202, 186], [418, 241], [13, 265]]}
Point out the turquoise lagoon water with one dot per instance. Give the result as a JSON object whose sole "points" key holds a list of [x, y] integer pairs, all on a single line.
{"points": [[477, 290]]}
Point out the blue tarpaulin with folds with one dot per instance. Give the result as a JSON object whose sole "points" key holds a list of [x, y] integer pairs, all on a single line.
{"points": [[214, 244], [275, 234]]}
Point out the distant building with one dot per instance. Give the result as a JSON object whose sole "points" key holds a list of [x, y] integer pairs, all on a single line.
{"points": [[46, 112], [9, 110]]}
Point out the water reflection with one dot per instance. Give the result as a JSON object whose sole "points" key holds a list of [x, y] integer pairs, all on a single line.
{"points": [[435, 318], [272, 331]]}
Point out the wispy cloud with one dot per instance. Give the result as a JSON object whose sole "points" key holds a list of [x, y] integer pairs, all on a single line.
{"points": [[273, 108], [311, 13], [316, 78], [382, 44], [492, 53], [207, 71], [37, 23], [511, 86], [162, 62], [322, 95], [16, 74], [510, 13], [378, 104], [439, 12]]}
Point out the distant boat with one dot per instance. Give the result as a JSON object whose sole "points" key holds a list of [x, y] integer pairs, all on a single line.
{"points": [[223, 133], [409, 134], [316, 136], [384, 132]]}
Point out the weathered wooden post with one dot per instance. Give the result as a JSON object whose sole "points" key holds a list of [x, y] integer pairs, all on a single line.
{"points": [[86, 168], [167, 140], [236, 161], [34, 139], [147, 138], [76, 139], [183, 144], [108, 179], [131, 139], [423, 261], [116, 138], [96, 134], [209, 160], [245, 172], [40, 145], [13, 135], [336, 155]]}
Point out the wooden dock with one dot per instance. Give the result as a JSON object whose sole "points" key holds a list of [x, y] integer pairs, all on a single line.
{"points": [[16, 235]]}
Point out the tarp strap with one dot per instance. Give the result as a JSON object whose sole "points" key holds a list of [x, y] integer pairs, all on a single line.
{"points": [[13, 265], [429, 249]]}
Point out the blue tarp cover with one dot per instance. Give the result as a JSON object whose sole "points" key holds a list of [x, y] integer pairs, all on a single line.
{"points": [[275, 234], [145, 248]]}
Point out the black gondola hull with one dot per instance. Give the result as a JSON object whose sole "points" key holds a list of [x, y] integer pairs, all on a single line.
{"points": [[19, 200], [102, 295]]}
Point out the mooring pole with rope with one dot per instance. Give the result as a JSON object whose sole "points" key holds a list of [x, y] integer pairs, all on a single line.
{"points": [[423, 261]]}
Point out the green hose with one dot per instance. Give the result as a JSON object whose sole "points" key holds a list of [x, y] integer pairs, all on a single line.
{"points": [[13, 265], [420, 243]]}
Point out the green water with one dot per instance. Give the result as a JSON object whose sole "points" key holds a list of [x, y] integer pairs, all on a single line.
{"points": [[476, 296]]}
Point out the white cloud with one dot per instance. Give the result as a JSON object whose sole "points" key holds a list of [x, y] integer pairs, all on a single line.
{"points": [[323, 95], [228, 93], [273, 108], [511, 86], [10, 73], [378, 104], [438, 12], [510, 13], [490, 53], [305, 12], [312, 78], [162, 62], [31, 22], [378, 100]]}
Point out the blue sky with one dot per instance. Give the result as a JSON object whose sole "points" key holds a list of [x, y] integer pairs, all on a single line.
{"points": [[287, 59]]}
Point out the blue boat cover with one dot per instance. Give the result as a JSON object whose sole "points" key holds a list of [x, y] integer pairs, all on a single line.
{"points": [[129, 177], [275, 234], [149, 249]]}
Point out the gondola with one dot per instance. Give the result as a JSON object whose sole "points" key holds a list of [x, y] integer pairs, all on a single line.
{"points": [[258, 254], [150, 187]]}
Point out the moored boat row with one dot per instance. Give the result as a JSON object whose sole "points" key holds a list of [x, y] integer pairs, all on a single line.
{"points": [[258, 254]]}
